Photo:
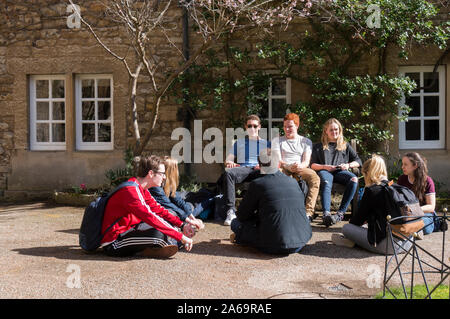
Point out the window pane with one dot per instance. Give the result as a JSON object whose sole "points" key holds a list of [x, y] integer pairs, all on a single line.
{"points": [[431, 130], [428, 78], [412, 130], [59, 132], [42, 111], [87, 89], [104, 133], [261, 107], [59, 111], [42, 132], [41, 89], [278, 86], [416, 78], [104, 88], [88, 110], [58, 88], [279, 126], [414, 103], [88, 132], [278, 108], [431, 105], [104, 110]]}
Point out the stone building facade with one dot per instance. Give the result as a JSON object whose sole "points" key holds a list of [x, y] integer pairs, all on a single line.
{"points": [[47, 66], [40, 54]]}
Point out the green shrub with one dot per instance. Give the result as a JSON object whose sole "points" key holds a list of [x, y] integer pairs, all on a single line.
{"points": [[119, 175]]}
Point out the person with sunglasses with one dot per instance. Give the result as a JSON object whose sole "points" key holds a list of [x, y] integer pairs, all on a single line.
{"points": [[139, 224], [241, 164]]}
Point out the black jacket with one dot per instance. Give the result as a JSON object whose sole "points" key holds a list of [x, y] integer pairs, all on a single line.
{"points": [[372, 209], [324, 157], [274, 204]]}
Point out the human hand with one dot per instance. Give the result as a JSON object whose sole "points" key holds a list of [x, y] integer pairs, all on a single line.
{"points": [[297, 168], [187, 242], [330, 168], [197, 223], [229, 164], [188, 230], [344, 167]]}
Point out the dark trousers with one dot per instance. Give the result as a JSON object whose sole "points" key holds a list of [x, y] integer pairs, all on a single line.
{"points": [[247, 234], [136, 240], [233, 176]]}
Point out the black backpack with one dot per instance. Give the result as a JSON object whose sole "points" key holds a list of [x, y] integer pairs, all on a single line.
{"points": [[91, 226], [401, 201]]}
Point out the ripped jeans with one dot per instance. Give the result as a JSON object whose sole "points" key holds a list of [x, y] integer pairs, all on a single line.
{"points": [[326, 184]]}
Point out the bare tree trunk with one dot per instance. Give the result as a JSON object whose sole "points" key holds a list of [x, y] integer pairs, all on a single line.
{"points": [[139, 148], [133, 104]]}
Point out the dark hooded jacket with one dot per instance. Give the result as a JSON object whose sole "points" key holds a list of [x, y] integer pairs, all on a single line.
{"points": [[273, 215]]}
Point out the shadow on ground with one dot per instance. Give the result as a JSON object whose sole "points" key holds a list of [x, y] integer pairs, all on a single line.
{"points": [[213, 247], [66, 253]]}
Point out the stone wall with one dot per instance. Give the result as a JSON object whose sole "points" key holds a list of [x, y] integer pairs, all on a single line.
{"points": [[35, 39]]}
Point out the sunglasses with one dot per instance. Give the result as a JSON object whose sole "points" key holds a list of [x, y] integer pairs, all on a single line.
{"points": [[252, 126]]}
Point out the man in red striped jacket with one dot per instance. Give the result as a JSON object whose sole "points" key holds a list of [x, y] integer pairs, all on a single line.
{"points": [[144, 227]]}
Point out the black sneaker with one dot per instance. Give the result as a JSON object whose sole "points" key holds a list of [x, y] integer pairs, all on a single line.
{"points": [[328, 220], [312, 217]]}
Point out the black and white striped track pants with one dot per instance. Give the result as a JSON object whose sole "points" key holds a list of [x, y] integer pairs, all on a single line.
{"points": [[137, 239]]}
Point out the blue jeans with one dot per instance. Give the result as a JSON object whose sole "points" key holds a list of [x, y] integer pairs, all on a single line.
{"points": [[204, 205], [429, 221], [326, 184]]}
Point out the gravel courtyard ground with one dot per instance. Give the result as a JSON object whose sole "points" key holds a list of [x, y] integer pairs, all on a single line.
{"points": [[40, 258]]}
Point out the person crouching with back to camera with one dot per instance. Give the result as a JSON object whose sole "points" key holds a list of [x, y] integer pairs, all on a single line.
{"points": [[144, 228], [367, 228]]}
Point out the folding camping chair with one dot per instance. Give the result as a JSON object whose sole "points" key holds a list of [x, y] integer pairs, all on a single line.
{"points": [[413, 251]]}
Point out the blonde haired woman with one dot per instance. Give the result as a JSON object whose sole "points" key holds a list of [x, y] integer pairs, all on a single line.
{"points": [[168, 197], [372, 211], [331, 159]]}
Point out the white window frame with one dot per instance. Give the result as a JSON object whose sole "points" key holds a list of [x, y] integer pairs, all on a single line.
{"points": [[46, 146], [422, 143], [270, 97], [92, 146]]}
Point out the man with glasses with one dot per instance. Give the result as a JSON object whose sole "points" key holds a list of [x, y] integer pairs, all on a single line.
{"points": [[134, 223], [241, 164]]}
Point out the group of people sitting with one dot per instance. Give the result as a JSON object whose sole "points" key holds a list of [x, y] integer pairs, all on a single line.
{"points": [[274, 216]]}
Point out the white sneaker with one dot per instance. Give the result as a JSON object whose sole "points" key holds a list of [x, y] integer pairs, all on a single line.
{"points": [[419, 235], [230, 216]]}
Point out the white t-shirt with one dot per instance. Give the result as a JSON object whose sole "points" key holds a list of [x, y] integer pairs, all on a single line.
{"points": [[292, 150]]}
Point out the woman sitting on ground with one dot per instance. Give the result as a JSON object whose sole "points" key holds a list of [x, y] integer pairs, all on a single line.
{"points": [[415, 177], [168, 197], [332, 160], [139, 224], [373, 211]]}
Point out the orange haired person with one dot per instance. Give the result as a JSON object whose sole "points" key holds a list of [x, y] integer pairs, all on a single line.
{"points": [[295, 151]]}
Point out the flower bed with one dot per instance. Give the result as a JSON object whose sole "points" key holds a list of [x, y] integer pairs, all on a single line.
{"points": [[73, 199]]}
